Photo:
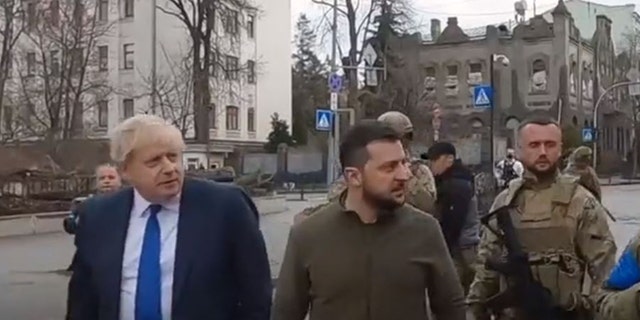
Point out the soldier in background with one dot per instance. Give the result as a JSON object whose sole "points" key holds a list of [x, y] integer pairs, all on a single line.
{"points": [[421, 187], [561, 225], [579, 165]]}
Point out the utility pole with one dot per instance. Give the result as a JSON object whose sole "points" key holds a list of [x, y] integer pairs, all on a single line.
{"points": [[154, 45], [332, 169]]}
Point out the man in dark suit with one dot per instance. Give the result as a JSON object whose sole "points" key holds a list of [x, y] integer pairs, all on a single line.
{"points": [[167, 248]]}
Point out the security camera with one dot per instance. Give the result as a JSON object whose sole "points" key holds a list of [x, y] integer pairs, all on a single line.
{"points": [[502, 59]]}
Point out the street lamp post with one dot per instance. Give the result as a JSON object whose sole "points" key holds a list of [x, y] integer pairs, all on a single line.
{"points": [[505, 62], [595, 116]]}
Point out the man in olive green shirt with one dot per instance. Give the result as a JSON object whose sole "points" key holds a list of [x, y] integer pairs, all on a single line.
{"points": [[367, 255]]}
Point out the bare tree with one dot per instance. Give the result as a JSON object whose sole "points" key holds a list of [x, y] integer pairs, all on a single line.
{"points": [[61, 73], [358, 17], [11, 29], [174, 92], [207, 51]]}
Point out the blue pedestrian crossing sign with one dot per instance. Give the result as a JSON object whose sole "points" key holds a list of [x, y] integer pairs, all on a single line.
{"points": [[588, 135], [324, 119], [482, 96]]}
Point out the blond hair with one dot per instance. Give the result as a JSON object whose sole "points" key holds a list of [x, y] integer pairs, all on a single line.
{"points": [[140, 131]]}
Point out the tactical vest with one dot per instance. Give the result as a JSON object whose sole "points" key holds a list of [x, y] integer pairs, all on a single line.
{"points": [[419, 193], [547, 231]]}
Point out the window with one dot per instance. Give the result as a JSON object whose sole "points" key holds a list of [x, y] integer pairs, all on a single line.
{"points": [[77, 60], [251, 25], [251, 77], [127, 108], [103, 58], [475, 68], [78, 116], [128, 56], [452, 70], [232, 118], [54, 7], [103, 10], [232, 68], [8, 118], [27, 113], [231, 25], [192, 163], [128, 8], [31, 15], [78, 12], [251, 120], [31, 64], [213, 117], [103, 113], [213, 72], [55, 63]]}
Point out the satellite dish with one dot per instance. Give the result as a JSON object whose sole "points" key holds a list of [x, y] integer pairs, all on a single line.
{"points": [[520, 7]]}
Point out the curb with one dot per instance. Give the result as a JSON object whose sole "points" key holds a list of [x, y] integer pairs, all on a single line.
{"points": [[621, 183]]}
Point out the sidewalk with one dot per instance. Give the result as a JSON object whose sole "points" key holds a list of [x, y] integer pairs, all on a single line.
{"points": [[617, 180], [30, 224]]}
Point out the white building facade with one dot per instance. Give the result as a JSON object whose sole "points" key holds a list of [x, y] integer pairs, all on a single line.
{"points": [[625, 20], [250, 77]]}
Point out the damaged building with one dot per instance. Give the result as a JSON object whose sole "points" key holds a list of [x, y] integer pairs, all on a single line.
{"points": [[553, 69]]}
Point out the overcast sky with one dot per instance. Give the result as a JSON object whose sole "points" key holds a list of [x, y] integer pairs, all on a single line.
{"points": [[470, 13]]}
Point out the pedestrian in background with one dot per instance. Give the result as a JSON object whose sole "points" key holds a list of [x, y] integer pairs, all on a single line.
{"points": [[457, 207], [167, 248], [107, 180], [508, 169], [579, 165], [367, 255]]}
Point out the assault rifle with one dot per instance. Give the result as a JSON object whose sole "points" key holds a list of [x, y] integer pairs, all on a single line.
{"points": [[524, 294]]}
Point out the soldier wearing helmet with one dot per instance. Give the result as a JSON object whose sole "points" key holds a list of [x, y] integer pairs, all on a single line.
{"points": [[579, 165], [421, 187]]}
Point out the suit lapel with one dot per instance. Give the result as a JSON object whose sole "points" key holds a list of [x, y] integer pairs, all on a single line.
{"points": [[186, 242], [119, 211]]}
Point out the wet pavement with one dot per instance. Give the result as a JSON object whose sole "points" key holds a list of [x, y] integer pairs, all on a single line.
{"points": [[33, 285]]}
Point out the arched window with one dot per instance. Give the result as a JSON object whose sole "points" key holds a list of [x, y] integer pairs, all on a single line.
{"points": [[232, 118]]}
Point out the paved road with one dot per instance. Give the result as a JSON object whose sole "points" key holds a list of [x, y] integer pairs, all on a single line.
{"points": [[33, 288]]}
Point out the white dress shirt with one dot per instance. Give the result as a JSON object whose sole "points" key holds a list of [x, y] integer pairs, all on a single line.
{"points": [[168, 219]]}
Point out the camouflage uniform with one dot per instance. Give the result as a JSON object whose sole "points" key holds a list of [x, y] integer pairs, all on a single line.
{"points": [[562, 227], [623, 303], [421, 186], [578, 165]]}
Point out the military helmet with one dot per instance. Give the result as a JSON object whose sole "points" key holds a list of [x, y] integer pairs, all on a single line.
{"points": [[582, 152], [398, 121]]}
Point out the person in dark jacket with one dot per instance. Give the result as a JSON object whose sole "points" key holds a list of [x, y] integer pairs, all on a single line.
{"points": [[107, 180], [457, 206]]}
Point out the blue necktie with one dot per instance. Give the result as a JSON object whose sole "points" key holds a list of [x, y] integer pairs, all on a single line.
{"points": [[148, 292]]}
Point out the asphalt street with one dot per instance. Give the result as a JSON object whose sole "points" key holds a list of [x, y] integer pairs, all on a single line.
{"points": [[33, 285]]}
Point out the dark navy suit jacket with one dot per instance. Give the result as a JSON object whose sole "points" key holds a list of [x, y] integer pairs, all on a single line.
{"points": [[221, 266]]}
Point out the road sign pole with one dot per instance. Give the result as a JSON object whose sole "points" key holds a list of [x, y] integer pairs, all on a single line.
{"points": [[491, 114], [332, 146]]}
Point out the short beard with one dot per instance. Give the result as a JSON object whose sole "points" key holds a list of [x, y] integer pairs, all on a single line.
{"points": [[546, 174], [383, 204]]}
